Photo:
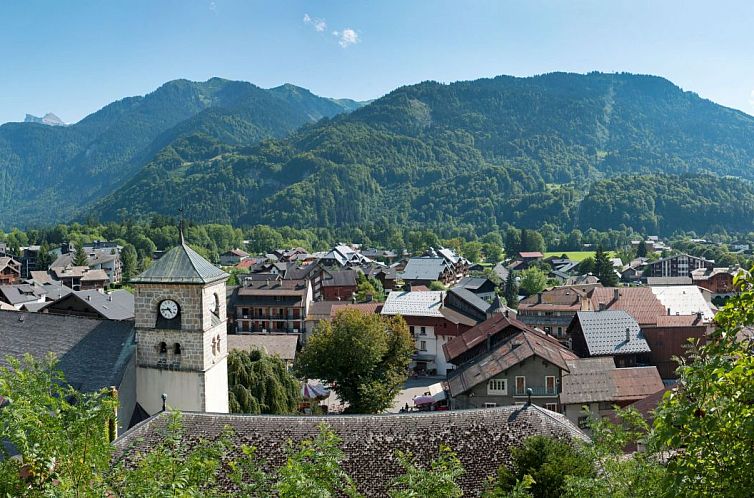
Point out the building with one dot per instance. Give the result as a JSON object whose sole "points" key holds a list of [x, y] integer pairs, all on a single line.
{"points": [[180, 313], [116, 305], [719, 281], [481, 439], [468, 303], [553, 310], [522, 364], [100, 256], [10, 270], [680, 265], [272, 306], [481, 286], [595, 384], [339, 285], [18, 295], [609, 333], [428, 269], [432, 324], [233, 257]]}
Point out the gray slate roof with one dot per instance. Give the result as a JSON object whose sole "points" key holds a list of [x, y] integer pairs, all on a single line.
{"points": [[605, 333], [471, 298], [482, 439], [424, 268], [181, 265], [118, 305], [93, 354], [20, 293]]}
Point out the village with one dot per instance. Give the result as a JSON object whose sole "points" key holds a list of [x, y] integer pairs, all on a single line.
{"points": [[573, 345]]}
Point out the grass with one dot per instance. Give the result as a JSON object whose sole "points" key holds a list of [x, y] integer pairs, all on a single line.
{"points": [[577, 255]]}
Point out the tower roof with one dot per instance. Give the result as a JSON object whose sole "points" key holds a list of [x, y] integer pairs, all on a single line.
{"points": [[181, 265]]}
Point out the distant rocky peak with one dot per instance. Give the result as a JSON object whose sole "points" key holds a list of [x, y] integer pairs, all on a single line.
{"points": [[48, 119]]}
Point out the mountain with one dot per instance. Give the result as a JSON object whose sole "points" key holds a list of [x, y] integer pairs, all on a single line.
{"points": [[48, 119], [482, 153], [48, 173]]}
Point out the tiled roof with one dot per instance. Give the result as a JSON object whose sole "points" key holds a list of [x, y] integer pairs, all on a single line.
{"points": [[471, 283], [479, 333], [21, 293], [471, 299], [605, 333], [652, 281], [531, 254], [343, 278], [684, 300], [506, 354], [482, 439], [591, 380], [117, 305], [639, 302], [414, 303], [283, 345], [181, 264], [93, 354], [368, 308]]}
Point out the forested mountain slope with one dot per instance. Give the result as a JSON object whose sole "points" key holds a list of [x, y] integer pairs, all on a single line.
{"points": [[49, 172], [486, 152]]}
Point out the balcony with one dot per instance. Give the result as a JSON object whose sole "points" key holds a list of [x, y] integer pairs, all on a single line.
{"points": [[538, 392], [267, 330]]}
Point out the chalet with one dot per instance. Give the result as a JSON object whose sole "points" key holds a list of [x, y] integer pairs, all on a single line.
{"points": [[17, 295], [106, 259], [314, 272], [597, 385], [76, 277], [523, 365], [233, 257], [344, 257], [116, 305], [272, 306], [609, 333], [428, 269], [339, 285], [432, 324], [385, 274], [553, 310], [719, 281], [481, 286], [10, 270], [680, 265], [468, 303]]}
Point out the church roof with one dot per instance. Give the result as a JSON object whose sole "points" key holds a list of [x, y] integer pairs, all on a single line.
{"points": [[181, 265]]}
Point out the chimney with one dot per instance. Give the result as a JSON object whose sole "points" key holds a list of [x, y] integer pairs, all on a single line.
{"points": [[267, 282], [628, 334], [506, 313], [616, 294], [539, 298], [88, 297], [698, 316], [668, 311], [602, 306], [109, 297], [408, 286]]}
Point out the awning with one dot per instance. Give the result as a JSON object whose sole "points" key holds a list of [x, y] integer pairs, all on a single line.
{"points": [[423, 400], [423, 357], [314, 391]]}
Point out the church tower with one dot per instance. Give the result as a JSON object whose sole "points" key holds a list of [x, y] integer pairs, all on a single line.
{"points": [[182, 346]]}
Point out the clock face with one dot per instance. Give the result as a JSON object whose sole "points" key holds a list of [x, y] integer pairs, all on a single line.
{"points": [[214, 305], [169, 309]]}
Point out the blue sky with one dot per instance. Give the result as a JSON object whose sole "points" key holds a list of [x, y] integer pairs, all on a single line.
{"points": [[74, 57]]}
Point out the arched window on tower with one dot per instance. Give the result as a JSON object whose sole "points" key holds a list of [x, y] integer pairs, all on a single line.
{"points": [[176, 355], [177, 349], [163, 350]]}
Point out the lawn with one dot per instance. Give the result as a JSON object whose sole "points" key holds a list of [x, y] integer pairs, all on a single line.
{"points": [[576, 255]]}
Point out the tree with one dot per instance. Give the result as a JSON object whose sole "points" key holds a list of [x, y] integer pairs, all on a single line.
{"points": [[472, 250], [436, 285], [604, 269], [511, 291], [533, 280], [260, 383], [80, 257], [709, 416], [512, 241], [548, 462], [44, 259], [439, 479], [641, 251], [61, 436], [364, 358], [129, 262], [369, 286], [587, 265]]}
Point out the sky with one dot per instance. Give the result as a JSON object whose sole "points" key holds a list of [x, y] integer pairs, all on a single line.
{"points": [[74, 57]]}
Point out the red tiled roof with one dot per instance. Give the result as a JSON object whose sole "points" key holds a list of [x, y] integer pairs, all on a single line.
{"points": [[532, 254], [639, 302], [366, 308], [636, 383], [479, 333], [246, 264]]}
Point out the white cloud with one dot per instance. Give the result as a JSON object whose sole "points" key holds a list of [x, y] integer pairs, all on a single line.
{"points": [[346, 37], [318, 24]]}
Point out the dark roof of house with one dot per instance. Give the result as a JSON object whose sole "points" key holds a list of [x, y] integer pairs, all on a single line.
{"points": [[94, 257], [590, 380], [475, 335], [472, 283], [93, 354], [470, 298], [343, 278], [235, 252], [181, 264], [605, 333], [424, 268], [512, 351], [21, 293], [482, 439], [117, 305]]}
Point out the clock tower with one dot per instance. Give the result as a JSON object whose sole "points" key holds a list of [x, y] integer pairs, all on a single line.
{"points": [[182, 347]]}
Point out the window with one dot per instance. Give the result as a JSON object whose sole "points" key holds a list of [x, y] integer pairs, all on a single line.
{"points": [[422, 345], [423, 331], [553, 407], [497, 387], [176, 349], [560, 331], [550, 384], [411, 329], [490, 405], [520, 385]]}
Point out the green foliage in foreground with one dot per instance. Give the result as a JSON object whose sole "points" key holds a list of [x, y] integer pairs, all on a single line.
{"points": [[261, 384]]}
